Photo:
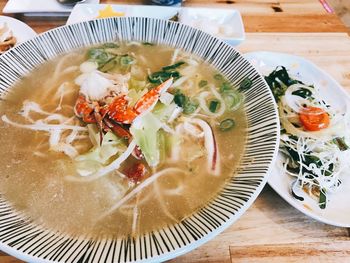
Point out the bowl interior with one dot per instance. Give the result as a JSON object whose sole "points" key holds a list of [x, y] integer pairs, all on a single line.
{"points": [[23, 238]]}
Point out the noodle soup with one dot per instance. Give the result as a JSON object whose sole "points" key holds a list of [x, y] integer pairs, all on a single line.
{"points": [[119, 139]]}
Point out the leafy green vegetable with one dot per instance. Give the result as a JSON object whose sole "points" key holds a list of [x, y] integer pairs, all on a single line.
{"points": [[278, 81], [302, 92], [174, 66], [282, 75], [323, 199], [202, 83], [213, 105], [161, 76], [166, 73], [227, 124], [144, 130]]}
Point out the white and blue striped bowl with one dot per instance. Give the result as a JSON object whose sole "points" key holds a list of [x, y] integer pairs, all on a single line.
{"points": [[23, 238]]}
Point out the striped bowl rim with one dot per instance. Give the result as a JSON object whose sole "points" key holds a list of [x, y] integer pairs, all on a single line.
{"points": [[23, 238]]}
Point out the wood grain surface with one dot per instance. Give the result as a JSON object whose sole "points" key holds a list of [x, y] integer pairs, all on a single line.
{"points": [[271, 230], [258, 15]]}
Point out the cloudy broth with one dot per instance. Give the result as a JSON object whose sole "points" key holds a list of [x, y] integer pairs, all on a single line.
{"points": [[34, 177]]}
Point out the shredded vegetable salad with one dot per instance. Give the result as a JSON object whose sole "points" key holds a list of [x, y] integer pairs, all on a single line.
{"points": [[314, 137]]}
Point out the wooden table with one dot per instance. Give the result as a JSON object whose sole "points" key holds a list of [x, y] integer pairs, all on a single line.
{"points": [[271, 230]]}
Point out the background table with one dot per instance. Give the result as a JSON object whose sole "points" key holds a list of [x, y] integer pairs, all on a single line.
{"points": [[271, 230]]}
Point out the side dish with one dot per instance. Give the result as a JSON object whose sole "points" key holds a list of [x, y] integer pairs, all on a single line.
{"points": [[314, 137]]}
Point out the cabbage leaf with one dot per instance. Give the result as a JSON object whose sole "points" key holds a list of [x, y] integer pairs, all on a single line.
{"points": [[99, 155], [144, 130]]}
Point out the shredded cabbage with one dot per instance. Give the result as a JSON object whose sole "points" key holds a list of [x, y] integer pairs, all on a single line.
{"points": [[99, 155], [135, 95], [137, 84], [144, 130], [166, 98], [164, 112]]}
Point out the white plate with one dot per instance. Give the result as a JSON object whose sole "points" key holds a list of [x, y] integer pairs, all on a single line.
{"points": [[338, 207], [39, 7], [228, 20], [20, 30]]}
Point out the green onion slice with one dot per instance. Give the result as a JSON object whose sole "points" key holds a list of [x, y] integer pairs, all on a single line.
{"points": [[227, 124]]}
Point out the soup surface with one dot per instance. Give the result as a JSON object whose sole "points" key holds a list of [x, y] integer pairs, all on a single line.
{"points": [[119, 139]]}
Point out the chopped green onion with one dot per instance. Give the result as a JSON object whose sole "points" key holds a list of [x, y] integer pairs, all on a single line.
{"points": [[227, 124], [218, 77], [202, 83], [233, 99], [246, 84], [147, 44], [225, 87], [184, 102], [98, 55], [213, 105], [107, 61], [108, 66], [110, 45], [126, 60], [190, 107]]}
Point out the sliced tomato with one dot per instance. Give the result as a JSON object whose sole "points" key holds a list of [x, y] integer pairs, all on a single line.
{"points": [[314, 118]]}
